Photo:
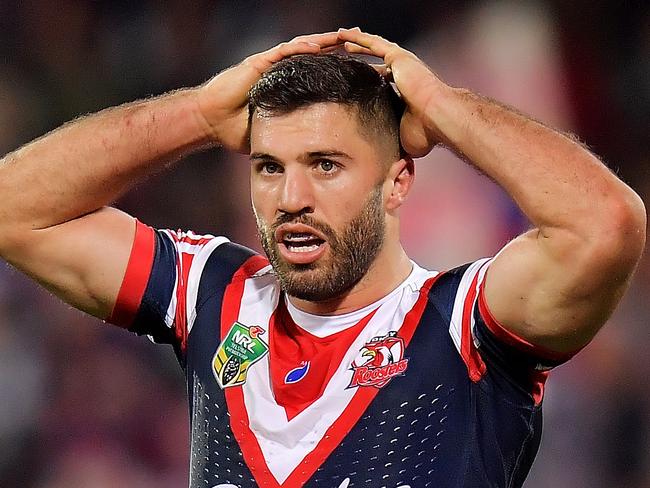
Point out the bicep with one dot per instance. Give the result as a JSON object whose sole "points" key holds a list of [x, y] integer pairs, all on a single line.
{"points": [[82, 261], [556, 298]]}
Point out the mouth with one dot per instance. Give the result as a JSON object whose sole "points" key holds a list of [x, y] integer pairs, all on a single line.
{"points": [[300, 243]]}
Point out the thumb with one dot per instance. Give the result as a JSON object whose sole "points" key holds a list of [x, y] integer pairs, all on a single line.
{"points": [[413, 136]]}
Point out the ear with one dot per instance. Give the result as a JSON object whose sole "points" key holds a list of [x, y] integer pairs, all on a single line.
{"points": [[400, 178]]}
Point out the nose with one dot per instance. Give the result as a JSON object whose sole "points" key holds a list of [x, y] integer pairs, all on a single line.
{"points": [[297, 192]]}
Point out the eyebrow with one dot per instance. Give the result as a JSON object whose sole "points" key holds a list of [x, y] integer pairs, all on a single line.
{"points": [[264, 156], [311, 155], [326, 154]]}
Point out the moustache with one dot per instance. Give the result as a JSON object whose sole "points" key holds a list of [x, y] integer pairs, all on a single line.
{"points": [[305, 220]]}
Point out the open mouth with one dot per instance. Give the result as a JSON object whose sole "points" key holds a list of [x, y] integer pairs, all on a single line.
{"points": [[299, 243]]}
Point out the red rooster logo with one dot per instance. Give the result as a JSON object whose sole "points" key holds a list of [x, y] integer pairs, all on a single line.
{"points": [[379, 360]]}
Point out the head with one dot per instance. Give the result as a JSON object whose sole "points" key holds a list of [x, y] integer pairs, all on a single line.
{"points": [[325, 152], [304, 80]]}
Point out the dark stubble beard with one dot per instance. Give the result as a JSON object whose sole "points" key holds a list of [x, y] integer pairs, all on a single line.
{"points": [[352, 252]]}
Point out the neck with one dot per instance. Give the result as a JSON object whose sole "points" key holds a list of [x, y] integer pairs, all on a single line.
{"points": [[390, 268]]}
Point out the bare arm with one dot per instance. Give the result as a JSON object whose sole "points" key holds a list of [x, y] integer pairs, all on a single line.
{"points": [[54, 223], [558, 283]]}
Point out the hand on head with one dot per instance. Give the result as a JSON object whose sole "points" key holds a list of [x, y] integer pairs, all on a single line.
{"points": [[416, 83], [223, 101]]}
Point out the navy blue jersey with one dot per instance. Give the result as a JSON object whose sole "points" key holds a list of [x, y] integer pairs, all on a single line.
{"points": [[422, 388]]}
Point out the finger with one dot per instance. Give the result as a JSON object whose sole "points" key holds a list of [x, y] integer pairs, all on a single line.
{"points": [[386, 73], [382, 69], [353, 48], [323, 39], [330, 49], [263, 61], [378, 45], [287, 49], [328, 41], [413, 137]]}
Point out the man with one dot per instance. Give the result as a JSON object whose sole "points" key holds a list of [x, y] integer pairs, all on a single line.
{"points": [[342, 363]]}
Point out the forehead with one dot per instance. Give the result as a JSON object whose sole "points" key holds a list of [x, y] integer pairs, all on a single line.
{"points": [[309, 128]]}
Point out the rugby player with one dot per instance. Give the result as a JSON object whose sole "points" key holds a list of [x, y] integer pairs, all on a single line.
{"points": [[335, 360]]}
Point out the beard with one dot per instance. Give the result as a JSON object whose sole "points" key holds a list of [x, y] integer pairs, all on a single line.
{"points": [[351, 253]]}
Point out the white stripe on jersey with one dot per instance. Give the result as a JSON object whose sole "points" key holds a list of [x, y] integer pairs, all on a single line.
{"points": [[456, 322], [201, 254], [286, 443], [194, 277]]}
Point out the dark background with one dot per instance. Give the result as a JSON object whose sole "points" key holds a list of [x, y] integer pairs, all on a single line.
{"points": [[85, 405]]}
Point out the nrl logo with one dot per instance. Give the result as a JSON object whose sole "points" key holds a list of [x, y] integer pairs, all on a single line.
{"points": [[242, 347], [379, 361]]}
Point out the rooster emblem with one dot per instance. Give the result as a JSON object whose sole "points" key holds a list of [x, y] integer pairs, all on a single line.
{"points": [[378, 361]]}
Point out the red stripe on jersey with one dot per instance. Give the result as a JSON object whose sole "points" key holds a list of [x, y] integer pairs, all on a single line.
{"points": [[183, 266], [475, 365], [234, 395], [414, 315], [332, 438], [239, 421], [136, 276], [250, 448], [539, 380], [179, 236], [358, 405], [324, 355], [184, 260], [234, 291], [512, 339]]}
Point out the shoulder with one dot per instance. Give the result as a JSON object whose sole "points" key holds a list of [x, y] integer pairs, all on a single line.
{"points": [[204, 251], [453, 287]]}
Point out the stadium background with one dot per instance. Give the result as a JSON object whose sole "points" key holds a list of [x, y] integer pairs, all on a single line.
{"points": [[85, 405]]}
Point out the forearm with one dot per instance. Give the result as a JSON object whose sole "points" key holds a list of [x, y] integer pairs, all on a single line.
{"points": [[88, 163], [556, 182]]}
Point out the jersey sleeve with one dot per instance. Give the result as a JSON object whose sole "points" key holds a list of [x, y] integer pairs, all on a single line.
{"points": [[485, 345], [158, 292]]}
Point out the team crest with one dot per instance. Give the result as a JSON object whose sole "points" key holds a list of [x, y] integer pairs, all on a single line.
{"points": [[242, 347], [379, 361]]}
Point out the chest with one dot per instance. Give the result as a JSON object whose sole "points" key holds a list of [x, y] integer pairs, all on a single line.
{"points": [[392, 406]]}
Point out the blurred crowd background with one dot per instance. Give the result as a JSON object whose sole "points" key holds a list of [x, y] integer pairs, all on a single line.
{"points": [[84, 405]]}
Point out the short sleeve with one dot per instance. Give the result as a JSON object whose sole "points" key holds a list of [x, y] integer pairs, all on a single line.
{"points": [[499, 342], [485, 345], [158, 293]]}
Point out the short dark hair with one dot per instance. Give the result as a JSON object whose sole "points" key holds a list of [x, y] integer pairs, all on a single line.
{"points": [[306, 79]]}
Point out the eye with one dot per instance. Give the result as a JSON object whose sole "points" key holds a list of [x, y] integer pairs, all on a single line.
{"points": [[269, 168], [326, 166]]}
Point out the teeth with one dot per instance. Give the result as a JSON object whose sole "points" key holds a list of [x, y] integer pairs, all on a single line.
{"points": [[301, 242], [313, 247], [298, 237]]}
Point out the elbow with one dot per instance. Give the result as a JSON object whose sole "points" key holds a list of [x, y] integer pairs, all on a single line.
{"points": [[8, 245], [622, 230], [13, 241]]}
